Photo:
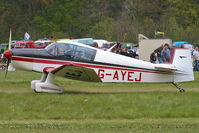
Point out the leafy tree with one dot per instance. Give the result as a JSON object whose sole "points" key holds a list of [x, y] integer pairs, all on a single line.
{"points": [[103, 30], [106, 19]]}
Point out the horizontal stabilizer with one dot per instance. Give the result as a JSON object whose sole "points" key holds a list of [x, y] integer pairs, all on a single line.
{"points": [[165, 67]]}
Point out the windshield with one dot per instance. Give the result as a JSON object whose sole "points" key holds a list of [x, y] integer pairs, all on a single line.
{"points": [[71, 51], [51, 49]]}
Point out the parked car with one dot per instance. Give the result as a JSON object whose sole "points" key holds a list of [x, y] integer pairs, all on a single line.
{"points": [[24, 44], [100, 43], [42, 43]]}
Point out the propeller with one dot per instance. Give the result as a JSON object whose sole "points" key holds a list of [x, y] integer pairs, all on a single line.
{"points": [[7, 64], [8, 54]]}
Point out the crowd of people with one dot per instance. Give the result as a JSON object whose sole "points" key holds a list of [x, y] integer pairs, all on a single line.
{"points": [[163, 55]]}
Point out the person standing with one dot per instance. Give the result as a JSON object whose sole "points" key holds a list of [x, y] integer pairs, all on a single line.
{"points": [[3, 60], [132, 54], [153, 57], [158, 51], [182, 46], [196, 59], [165, 53]]}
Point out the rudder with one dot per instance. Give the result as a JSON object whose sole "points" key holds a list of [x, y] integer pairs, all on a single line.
{"points": [[181, 59]]}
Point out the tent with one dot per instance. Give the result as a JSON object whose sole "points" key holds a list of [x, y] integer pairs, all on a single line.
{"points": [[179, 44], [186, 45]]}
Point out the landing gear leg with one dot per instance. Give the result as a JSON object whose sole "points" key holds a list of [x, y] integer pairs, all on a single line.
{"points": [[43, 79], [178, 87], [48, 85]]}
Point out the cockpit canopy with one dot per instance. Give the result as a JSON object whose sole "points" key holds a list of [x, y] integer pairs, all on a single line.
{"points": [[71, 51]]}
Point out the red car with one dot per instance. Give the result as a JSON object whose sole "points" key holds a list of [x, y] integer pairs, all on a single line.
{"points": [[24, 44]]}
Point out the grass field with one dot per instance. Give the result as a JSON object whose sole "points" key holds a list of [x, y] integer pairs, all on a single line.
{"points": [[97, 107]]}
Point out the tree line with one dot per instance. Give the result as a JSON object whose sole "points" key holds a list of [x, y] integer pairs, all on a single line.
{"points": [[100, 19]]}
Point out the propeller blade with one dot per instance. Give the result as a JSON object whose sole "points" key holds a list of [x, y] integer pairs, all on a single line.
{"points": [[8, 62], [8, 54]]}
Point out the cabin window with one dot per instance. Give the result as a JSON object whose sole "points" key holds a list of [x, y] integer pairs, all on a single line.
{"points": [[65, 50], [71, 51], [84, 54]]}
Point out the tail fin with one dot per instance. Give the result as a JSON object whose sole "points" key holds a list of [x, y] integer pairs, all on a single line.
{"points": [[181, 59]]}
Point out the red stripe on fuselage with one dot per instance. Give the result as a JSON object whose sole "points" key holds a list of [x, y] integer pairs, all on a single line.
{"points": [[50, 61]]}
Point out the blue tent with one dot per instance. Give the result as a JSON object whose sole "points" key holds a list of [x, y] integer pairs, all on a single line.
{"points": [[178, 44]]}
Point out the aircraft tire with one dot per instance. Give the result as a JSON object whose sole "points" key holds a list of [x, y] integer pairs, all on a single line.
{"points": [[182, 90]]}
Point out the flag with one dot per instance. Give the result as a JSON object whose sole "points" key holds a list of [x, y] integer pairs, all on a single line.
{"points": [[159, 33], [26, 36]]}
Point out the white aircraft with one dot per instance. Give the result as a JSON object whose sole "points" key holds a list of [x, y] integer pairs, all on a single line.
{"points": [[81, 62]]}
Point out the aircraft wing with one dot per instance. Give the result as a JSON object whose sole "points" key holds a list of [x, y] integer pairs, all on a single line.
{"points": [[165, 67], [77, 73]]}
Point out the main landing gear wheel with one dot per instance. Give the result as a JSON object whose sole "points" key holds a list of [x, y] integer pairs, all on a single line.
{"points": [[46, 84], [182, 90], [178, 87]]}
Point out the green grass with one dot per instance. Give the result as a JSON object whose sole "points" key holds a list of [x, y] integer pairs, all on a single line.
{"points": [[97, 107], [106, 126]]}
